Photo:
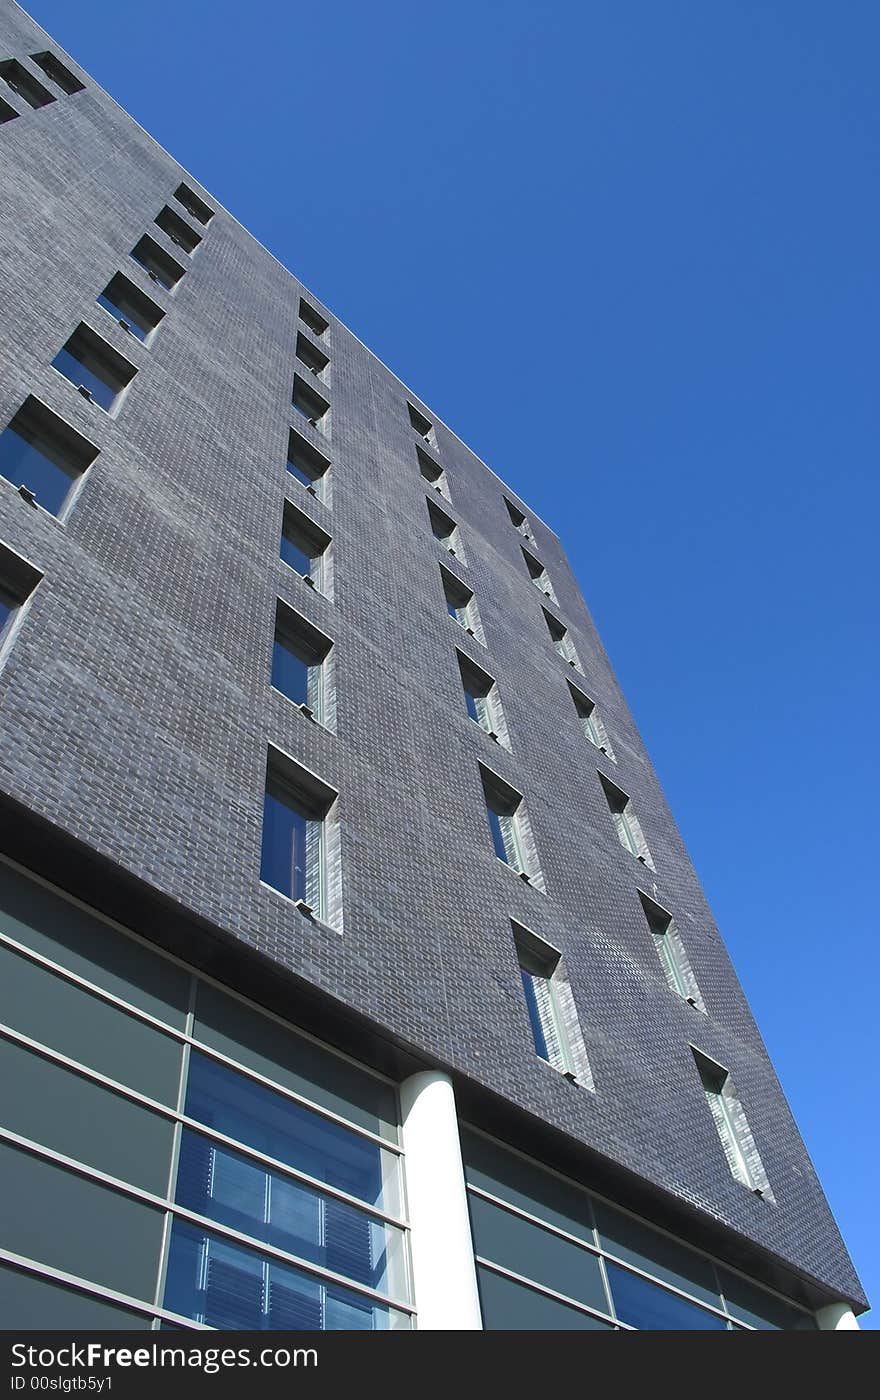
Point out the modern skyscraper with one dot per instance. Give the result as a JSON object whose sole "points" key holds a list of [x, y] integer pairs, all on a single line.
{"points": [[354, 973]]}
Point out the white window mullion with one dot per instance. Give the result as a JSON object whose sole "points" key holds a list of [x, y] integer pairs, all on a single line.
{"points": [[315, 867]]}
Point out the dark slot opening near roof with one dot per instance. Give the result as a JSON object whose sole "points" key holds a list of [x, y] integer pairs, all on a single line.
{"points": [[192, 204], [56, 71], [25, 84], [178, 230], [316, 323], [157, 263]]}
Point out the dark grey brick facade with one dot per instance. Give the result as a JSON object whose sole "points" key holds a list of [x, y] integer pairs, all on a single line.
{"points": [[136, 711]]}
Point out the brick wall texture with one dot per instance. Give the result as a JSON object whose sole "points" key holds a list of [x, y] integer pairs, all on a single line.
{"points": [[136, 710]]}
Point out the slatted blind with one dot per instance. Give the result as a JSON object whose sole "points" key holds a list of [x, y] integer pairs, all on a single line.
{"points": [[234, 1292], [508, 824], [239, 1289]]}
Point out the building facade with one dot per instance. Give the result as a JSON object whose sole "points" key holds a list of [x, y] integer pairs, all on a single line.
{"points": [[354, 972]]}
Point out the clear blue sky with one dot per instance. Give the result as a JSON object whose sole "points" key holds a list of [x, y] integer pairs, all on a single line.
{"points": [[628, 250]]}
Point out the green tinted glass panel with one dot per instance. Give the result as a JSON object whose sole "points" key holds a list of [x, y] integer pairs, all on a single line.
{"points": [[31, 1303], [92, 949], [61, 1219], [511, 1307], [537, 1254], [526, 1185], [82, 1120], [68, 1019], [751, 1304]]}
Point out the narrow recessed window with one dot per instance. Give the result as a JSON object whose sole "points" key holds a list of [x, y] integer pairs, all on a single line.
{"points": [[57, 73], [671, 952], [24, 83], [309, 404], [627, 824], [510, 828], [732, 1125], [178, 230], [18, 580], [482, 700], [433, 473], [134, 311], [305, 547], [423, 426], [43, 456], [591, 722], [518, 519], [462, 605], [445, 530], [295, 835], [316, 323], [308, 465], [561, 638], [300, 663], [159, 265], [7, 113], [195, 207], [553, 1017], [539, 576], [313, 358], [99, 372]]}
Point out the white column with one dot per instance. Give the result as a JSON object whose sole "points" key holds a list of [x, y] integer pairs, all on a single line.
{"points": [[444, 1276], [837, 1317]]}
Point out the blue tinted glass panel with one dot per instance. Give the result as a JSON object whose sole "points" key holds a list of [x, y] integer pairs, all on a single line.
{"points": [[284, 843], [290, 674], [271, 1207], [652, 1309], [226, 1286], [534, 1015], [471, 703], [121, 311], [79, 372], [8, 605], [497, 835], [27, 464], [262, 1044], [509, 1306], [293, 554], [250, 1112]]}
